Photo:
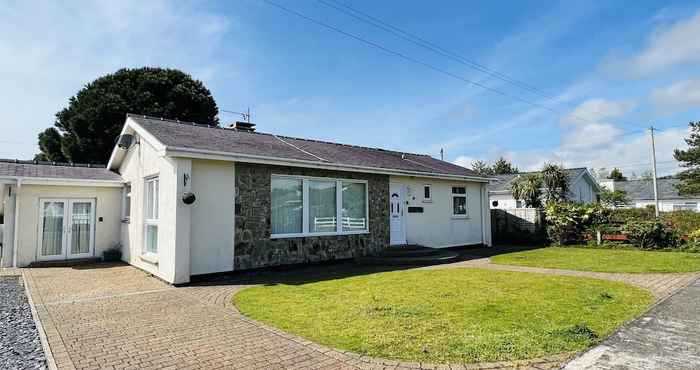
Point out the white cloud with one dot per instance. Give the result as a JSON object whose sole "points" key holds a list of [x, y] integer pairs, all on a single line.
{"points": [[630, 154], [597, 110], [683, 94], [464, 161], [669, 46], [49, 50], [590, 136]]}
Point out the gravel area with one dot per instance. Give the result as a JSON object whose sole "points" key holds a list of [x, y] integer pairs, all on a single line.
{"points": [[20, 346]]}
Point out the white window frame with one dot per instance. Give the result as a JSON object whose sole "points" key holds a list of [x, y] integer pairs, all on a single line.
{"points": [[126, 199], [466, 202], [150, 221], [429, 199], [338, 205]]}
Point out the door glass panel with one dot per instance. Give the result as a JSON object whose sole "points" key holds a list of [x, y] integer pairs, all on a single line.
{"points": [[82, 225], [52, 233]]}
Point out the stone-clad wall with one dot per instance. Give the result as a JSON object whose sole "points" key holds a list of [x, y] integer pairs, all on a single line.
{"points": [[253, 246]]}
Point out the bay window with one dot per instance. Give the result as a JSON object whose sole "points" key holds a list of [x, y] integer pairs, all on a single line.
{"points": [[302, 206]]}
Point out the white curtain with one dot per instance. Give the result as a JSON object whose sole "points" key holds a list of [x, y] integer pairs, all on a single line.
{"points": [[287, 206], [52, 233], [82, 218]]}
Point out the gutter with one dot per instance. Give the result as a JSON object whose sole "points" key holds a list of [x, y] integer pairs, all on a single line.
{"points": [[11, 180], [190, 152]]}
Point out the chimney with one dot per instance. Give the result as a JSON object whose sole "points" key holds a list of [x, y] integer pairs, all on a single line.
{"points": [[243, 126]]}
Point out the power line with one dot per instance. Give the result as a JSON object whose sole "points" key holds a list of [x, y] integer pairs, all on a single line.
{"points": [[422, 63], [417, 40]]}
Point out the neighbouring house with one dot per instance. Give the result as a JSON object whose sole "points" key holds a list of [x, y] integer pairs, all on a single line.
{"points": [[641, 194], [185, 199], [583, 188]]}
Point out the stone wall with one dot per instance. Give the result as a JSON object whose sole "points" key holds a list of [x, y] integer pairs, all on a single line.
{"points": [[253, 246]]}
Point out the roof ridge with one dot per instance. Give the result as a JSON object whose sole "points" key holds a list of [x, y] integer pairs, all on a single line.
{"points": [[203, 125], [52, 163]]}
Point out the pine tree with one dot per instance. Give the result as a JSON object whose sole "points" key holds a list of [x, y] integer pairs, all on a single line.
{"points": [[690, 178]]}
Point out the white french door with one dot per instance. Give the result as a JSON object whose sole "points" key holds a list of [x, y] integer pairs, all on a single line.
{"points": [[66, 229]]}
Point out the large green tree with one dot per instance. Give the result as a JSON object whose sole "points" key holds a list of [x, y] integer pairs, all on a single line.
{"points": [[482, 168], [85, 131], [501, 167], [616, 175], [690, 178]]}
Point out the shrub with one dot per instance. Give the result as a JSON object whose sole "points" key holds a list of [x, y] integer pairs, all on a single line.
{"points": [[684, 221], [567, 222], [651, 235]]}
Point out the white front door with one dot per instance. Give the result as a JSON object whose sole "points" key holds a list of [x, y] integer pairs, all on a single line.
{"points": [[66, 229], [397, 225]]}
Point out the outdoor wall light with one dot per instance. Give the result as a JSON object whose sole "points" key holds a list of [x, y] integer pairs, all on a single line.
{"points": [[188, 198]]}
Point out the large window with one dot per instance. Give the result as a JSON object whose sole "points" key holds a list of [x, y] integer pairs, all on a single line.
{"points": [[317, 206], [151, 216], [459, 201]]}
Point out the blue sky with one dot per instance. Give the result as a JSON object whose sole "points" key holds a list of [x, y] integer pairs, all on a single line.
{"points": [[608, 69]]}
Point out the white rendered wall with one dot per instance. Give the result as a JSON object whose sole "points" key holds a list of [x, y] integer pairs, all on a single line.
{"points": [[211, 237], [107, 206], [436, 226]]}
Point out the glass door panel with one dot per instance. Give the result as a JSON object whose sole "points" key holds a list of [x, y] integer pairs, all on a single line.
{"points": [[52, 230], [80, 233]]}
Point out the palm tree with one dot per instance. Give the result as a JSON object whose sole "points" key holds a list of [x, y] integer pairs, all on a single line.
{"points": [[528, 188], [556, 183]]}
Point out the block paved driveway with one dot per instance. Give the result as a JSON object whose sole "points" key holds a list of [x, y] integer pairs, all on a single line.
{"points": [[119, 317]]}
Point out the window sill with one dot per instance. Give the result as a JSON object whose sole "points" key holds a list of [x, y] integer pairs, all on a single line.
{"points": [[427, 200], [308, 235], [457, 217], [149, 257]]}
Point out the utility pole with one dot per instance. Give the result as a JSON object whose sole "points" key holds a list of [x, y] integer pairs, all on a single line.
{"points": [[442, 155], [653, 167]]}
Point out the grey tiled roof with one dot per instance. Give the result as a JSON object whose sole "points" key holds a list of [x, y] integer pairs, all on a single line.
{"points": [[14, 168], [503, 182], [644, 189], [215, 139]]}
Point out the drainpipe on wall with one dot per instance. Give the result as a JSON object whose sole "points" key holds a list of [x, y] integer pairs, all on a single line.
{"points": [[15, 236]]}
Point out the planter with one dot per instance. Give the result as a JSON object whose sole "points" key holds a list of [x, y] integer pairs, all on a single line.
{"points": [[112, 255]]}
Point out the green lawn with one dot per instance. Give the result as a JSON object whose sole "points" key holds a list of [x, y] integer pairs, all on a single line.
{"points": [[602, 260], [448, 315]]}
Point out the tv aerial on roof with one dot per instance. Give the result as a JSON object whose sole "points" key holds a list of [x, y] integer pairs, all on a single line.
{"points": [[245, 115]]}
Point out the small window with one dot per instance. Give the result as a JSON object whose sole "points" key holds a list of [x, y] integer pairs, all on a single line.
{"points": [[459, 201], [126, 202], [427, 196], [494, 203], [151, 215]]}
